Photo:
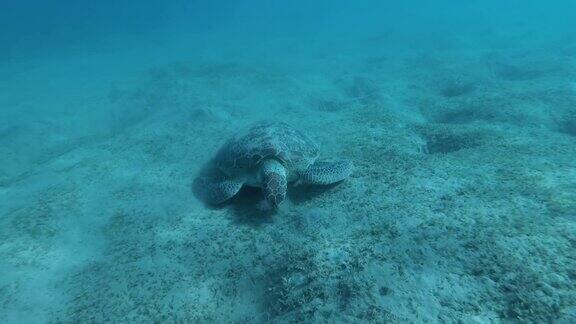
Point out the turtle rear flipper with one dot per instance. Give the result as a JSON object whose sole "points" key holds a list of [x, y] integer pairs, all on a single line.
{"points": [[216, 191], [325, 173]]}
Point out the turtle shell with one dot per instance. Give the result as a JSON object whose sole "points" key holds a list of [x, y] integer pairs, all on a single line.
{"points": [[243, 153]]}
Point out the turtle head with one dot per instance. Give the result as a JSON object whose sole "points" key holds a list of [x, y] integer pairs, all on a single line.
{"points": [[274, 182]]}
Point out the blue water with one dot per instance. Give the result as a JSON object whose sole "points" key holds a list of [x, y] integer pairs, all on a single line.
{"points": [[459, 118]]}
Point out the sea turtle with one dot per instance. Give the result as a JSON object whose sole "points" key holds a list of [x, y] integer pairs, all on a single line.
{"points": [[269, 155]]}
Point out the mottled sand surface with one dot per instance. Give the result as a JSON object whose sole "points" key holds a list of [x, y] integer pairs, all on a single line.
{"points": [[462, 206]]}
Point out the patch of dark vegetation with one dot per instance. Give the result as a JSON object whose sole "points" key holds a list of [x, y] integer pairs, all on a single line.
{"points": [[519, 73], [457, 88], [363, 89], [7, 130], [39, 220], [4, 179], [522, 67], [442, 145], [116, 95], [526, 294], [292, 286], [492, 110], [568, 127], [329, 105], [521, 291], [306, 285], [568, 50], [459, 116], [448, 141]]}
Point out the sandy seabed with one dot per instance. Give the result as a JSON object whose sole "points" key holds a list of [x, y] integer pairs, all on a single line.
{"points": [[462, 206]]}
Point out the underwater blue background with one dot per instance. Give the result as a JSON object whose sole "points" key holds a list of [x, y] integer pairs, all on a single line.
{"points": [[459, 116]]}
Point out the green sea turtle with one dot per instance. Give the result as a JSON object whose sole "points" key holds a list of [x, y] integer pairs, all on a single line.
{"points": [[269, 155]]}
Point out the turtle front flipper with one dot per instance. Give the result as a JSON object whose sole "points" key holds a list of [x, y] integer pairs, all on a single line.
{"points": [[274, 182], [325, 173], [216, 191]]}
